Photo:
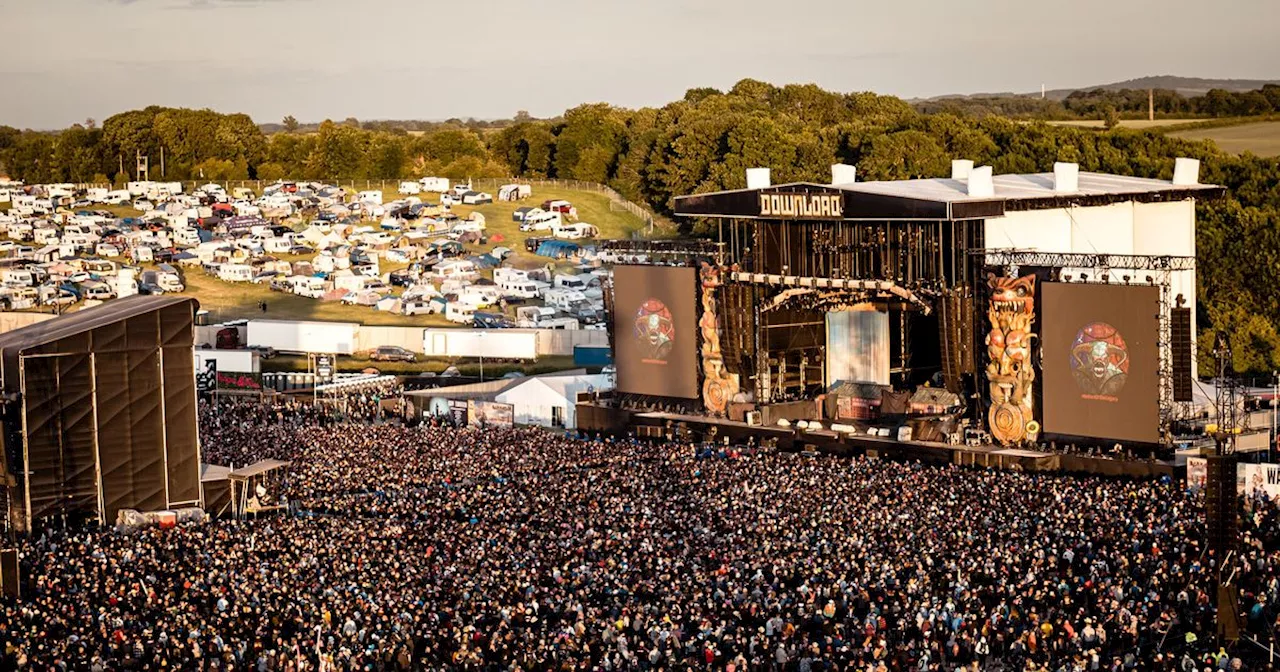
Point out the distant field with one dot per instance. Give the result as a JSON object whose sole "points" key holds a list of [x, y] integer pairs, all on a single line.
{"points": [[1261, 138], [1139, 124]]}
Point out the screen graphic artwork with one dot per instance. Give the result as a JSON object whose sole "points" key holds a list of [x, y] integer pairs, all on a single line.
{"points": [[1100, 360], [655, 331]]}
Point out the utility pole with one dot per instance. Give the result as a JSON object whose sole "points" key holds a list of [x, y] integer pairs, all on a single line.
{"points": [[1151, 104]]}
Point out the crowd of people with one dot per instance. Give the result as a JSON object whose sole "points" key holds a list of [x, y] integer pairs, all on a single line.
{"points": [[434, 547]]}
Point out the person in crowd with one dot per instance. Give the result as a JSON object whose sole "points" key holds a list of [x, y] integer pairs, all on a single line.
{"points": [[438, 547]]}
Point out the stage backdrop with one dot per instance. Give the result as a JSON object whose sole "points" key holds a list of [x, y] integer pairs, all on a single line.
{"points": [[655, 330], [858, 346], [1100, 361]]}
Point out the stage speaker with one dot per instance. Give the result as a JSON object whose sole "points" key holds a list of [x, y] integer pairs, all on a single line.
{"points": [[9, 572], [1220, 503], [1180, 344]]}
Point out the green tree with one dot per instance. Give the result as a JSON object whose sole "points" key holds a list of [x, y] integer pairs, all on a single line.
{"points": [[290, 124]]}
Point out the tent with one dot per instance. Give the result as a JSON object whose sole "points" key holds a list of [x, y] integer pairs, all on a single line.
{"points": [[557, 249]]}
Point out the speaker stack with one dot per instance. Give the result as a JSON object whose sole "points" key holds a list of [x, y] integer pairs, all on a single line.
{"points": [[1221, 503], [9, 572], [1180, 345]]}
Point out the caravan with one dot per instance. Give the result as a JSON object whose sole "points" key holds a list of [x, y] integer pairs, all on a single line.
{"points": [[235, 273]]}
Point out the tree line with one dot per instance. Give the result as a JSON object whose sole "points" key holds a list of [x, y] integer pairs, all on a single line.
{"points": [[1102, 103], [705, 142]]}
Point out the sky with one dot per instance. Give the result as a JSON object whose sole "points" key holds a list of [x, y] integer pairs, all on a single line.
{"points": [[62, 61]]}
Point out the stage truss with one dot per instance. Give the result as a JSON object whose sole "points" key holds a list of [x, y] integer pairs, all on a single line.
{"points": [[1157, 270]]}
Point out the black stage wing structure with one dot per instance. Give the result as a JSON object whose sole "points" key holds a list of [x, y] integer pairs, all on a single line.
{"points": [[99, 411]]}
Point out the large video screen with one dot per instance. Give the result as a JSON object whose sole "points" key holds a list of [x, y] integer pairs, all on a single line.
{"points": [[1100, 360], [655, 330]]}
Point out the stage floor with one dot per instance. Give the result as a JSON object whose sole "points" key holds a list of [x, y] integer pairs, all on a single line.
{"points": [[825, 440]]}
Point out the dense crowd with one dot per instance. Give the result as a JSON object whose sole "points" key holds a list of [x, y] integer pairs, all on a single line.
{"points": [[433, 547]]}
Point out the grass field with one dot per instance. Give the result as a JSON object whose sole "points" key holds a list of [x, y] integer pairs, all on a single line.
{"points": [[1261, 138], [1137, 124]]}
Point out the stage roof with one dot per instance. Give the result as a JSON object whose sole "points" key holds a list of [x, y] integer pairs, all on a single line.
{"points": [[934, 199], [1027, 186], [116, 310]]}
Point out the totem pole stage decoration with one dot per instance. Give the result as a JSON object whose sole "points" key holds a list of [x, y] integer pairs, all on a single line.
{"points": [[1009, 373], [718, 386]]}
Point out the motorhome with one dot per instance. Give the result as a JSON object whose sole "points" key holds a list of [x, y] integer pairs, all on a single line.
{"points": [[23, 298], [117, 197], [16, 277], [532, 317], [410, 188], [522, 289], [45, 235], [460, 313], [543, 221], [567, 300], [107, 250], [94, 289], [373, 196], [307, 285], [186, 236], [480, 295], [455, 269]]}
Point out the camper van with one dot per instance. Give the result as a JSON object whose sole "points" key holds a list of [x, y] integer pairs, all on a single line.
{"points": [[118, 197], [374, 197], [455, 269], [16, 277], [460, 313], [94, 289], [410, 188], [186, 236], [480, 295], [23, 298], [532, 317], [542, 221], [521, 287], [308, 286], [567, 300], [45, 235]]}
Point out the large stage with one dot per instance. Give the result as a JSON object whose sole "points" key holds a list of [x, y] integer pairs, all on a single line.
{"points": [[702, 429]]}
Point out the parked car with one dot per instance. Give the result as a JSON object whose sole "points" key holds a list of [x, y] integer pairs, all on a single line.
{"points": [[264, 351], [391, 353]]}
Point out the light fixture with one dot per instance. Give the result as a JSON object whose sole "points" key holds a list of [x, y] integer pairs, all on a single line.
{"points": [[1066, 277]]}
